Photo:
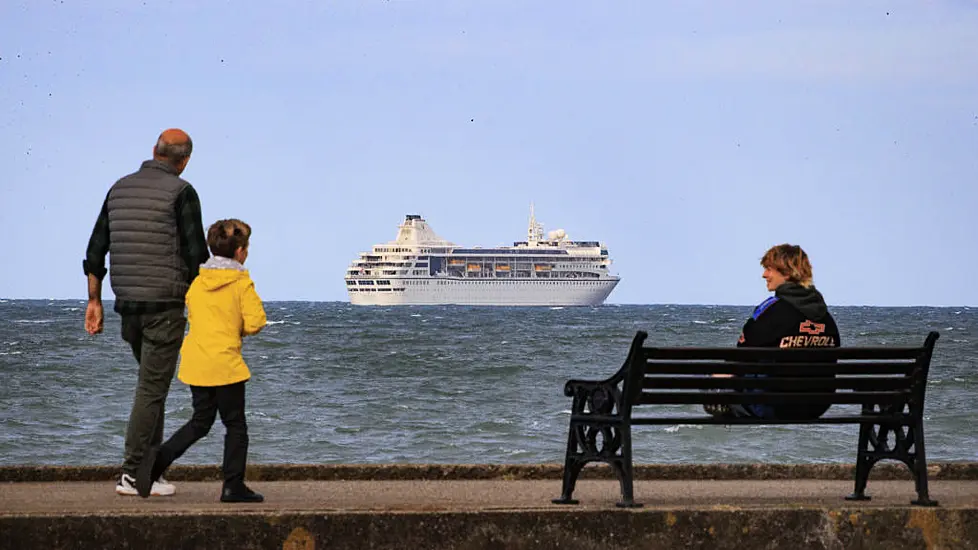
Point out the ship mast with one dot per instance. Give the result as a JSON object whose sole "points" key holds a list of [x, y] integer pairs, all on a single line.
{"points": [[534, 234]]}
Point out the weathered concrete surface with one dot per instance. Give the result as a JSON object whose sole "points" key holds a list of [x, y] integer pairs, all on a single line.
{"points": [[492, 514], [379, 472]]}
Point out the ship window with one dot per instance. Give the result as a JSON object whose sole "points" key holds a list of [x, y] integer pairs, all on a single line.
{"points": [[351, 283], [365, 282]]}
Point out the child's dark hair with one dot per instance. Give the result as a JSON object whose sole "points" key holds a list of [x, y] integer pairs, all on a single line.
{"points": [[226, 236]]}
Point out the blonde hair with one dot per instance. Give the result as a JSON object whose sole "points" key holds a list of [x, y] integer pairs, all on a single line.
{"points": [[226, 236], [791, 261]]}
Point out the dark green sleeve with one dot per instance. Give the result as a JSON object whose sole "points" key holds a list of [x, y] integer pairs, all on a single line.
{"points": [[98, 244], [193, 245]]}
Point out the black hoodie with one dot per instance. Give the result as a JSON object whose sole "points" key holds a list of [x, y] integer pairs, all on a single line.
{"points": [[794, 317]]}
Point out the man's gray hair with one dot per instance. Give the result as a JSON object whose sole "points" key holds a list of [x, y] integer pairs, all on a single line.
{"points": [[174, 152]]}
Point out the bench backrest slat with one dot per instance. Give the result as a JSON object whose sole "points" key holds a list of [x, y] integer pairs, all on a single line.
{"points": [[823, 383], [775, 398], [779, 354], [781, 367]]}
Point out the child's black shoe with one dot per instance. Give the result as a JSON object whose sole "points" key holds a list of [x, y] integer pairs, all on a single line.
{"points": [[241, 493]]}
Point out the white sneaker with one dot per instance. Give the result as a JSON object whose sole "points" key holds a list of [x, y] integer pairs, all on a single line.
{"points": [[126, 486], [162, 488]]}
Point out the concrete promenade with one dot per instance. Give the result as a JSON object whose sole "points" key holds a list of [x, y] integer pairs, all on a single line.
{"points": [[492, 507]]}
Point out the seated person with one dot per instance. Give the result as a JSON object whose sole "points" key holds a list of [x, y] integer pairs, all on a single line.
{"points": [[796, 316]]}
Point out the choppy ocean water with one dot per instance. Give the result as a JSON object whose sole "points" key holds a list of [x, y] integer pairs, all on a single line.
{"points": [[333, 383]]}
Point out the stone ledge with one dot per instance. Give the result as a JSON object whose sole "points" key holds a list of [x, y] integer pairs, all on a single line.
{"points": [[407, 472], [515, 530]]}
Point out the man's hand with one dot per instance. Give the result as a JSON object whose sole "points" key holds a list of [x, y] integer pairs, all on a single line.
{"points": [[94, 317]]}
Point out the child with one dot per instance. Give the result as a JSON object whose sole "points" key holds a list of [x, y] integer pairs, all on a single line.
{"points": [[222, 307]]}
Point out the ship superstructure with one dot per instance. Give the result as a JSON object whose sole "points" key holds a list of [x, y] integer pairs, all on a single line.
{"points": [[421, 268]]}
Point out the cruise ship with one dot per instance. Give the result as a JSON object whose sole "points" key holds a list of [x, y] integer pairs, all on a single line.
{"points": [[421, 268]]}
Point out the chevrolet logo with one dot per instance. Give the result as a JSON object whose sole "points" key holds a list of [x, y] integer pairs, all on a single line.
{"points": [[808, 327]]}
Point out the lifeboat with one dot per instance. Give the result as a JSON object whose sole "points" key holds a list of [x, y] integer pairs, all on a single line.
{"points": [[542, 267], [473, 267], [502, 267]]}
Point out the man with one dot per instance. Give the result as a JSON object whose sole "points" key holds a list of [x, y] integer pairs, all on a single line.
{"points": [[151, 228]]}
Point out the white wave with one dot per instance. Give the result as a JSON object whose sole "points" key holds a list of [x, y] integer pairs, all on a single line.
{"points": [[701, 322], [274, 322], [556, 308], [674, 429], [71, 309], [34, 321], [415, 315], [18, 352]]}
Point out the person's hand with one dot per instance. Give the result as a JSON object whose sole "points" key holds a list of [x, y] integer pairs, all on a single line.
{"points": [[94, 317]]}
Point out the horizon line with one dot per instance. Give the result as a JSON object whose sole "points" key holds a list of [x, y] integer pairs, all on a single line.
{"points": [[82, 300]]}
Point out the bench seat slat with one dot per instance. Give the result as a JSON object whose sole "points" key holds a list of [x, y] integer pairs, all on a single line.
{"points": [[808, 384], [728, 398], [708, 420], [741, 367], [753, 354], [609, 420]]}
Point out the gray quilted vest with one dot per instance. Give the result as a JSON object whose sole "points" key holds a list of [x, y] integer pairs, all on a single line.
{"points": [[145, 264]]}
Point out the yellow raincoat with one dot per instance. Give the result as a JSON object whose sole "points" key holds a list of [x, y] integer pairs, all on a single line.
{"points": [[222, 307]]}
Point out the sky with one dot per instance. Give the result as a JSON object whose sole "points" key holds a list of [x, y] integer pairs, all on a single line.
{"points": [[687, 136]]}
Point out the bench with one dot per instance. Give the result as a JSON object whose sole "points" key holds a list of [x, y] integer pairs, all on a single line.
{"points": [[887, 382]]}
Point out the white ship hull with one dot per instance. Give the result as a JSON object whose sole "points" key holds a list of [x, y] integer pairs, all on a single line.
{"points": [[420, 268], [500, 292]]}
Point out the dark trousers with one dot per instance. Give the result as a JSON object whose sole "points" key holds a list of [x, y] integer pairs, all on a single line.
{"points": [[155, 340], [208, 401]]}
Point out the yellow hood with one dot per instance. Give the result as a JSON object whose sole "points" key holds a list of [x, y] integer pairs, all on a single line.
{"points": [[212, 279]]}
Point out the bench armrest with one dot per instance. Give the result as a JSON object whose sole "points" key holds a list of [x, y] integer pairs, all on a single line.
{"points": [[594, 396], [605, 397]]}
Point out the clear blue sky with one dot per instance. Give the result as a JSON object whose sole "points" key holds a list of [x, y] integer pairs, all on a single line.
{"points": [[688, 136]]}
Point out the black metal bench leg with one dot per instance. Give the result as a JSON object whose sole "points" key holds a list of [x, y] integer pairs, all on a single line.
{"points": [[623, 468], [863, 464], [920, 468], [573, 463], [572, 469]]}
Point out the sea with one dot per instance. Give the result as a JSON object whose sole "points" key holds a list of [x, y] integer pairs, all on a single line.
{"points": [[338, 384]]}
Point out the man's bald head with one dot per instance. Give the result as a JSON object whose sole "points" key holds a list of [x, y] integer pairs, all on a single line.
{"points": [[174, 147]]}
